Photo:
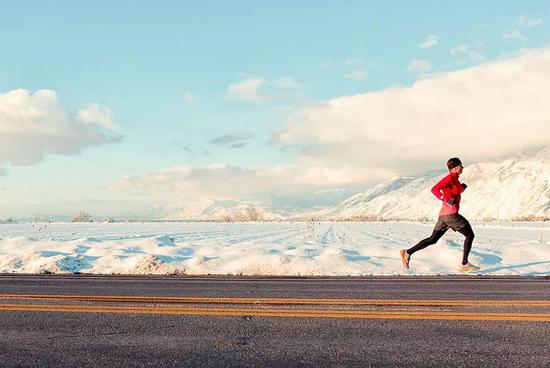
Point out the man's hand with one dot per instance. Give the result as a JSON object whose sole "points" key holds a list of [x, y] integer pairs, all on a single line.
{"points": [[464, 186], [451, 201]]}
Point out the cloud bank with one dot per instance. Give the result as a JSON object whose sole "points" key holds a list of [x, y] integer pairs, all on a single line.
{"points": [[223, 181], [356, 141], [34, 125], [480, 112]]}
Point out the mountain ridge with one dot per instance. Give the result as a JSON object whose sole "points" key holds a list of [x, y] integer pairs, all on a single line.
{"points": [[508, 188]]}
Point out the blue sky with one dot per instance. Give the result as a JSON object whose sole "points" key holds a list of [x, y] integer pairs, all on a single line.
{"points": [[165, 70]]}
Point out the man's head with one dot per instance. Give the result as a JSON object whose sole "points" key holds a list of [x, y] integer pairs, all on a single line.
{"points": [[455, 165]]}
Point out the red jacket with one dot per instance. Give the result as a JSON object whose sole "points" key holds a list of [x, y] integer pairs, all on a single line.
{"points": [[449, 187]]}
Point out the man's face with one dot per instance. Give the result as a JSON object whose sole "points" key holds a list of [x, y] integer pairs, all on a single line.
{"points": [[457, 169]]}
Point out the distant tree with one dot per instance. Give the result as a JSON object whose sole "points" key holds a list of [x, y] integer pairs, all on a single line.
{"points": [[253, 213], [239, 217], [82, 217]]}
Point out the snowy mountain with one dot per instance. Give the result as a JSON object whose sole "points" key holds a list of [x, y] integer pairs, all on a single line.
{"points": [[294, 204], [515, 187], [219, 210]]}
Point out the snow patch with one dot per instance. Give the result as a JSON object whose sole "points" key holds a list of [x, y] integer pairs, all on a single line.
{"points": [[331, 249]]}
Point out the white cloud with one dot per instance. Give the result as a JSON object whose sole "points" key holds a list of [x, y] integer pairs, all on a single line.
{"points": [[33, 125], [189, 97], [247, 90], [421, 66], [476, 113], [94, 113], [218, 180], [357, 74], [224, 181], [514, 35], [430, 42], [462, 49], [466, 55], [286, 83], [256, 89], [349, 62], [525, 21]]}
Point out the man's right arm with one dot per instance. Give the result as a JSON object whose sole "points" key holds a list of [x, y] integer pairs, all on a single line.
{"points": [[436, 190]]}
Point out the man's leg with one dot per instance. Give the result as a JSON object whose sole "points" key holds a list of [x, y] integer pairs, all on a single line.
{"points": [[439, 230], [464, 227]]}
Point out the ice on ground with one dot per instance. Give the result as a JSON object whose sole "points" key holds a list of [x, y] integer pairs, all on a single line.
{"points": [[297, 249]]}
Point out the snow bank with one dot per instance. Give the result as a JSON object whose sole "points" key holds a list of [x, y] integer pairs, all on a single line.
{"points": [[322, 249]]}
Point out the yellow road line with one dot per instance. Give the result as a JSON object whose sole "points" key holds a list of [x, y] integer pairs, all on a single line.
{"points": [[278, 312], [280, 301]]}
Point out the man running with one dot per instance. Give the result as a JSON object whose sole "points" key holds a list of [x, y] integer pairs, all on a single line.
{"points": [[448, 190]]}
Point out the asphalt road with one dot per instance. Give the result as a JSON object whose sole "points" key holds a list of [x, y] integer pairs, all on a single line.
{"points": [[91, 321]]}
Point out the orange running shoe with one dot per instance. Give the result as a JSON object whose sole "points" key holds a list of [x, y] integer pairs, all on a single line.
{"points": [[405, 258], [468, 267]]}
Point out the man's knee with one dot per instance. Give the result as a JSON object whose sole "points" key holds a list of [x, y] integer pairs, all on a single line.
{"points": [[469, 233], [436, 235], [431, 240]]}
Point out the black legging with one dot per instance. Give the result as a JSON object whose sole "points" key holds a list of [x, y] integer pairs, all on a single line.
{"points": [[437, 234]]}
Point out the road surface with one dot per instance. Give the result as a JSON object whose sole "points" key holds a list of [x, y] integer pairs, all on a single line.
{"points": [[116, 321]]}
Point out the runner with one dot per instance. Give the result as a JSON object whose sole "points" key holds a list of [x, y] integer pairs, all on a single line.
{"points": [[448, 190]]}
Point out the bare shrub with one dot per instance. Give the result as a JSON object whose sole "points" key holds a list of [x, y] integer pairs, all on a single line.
{"points": [[530, 218], [82, 217], [253, 214]]}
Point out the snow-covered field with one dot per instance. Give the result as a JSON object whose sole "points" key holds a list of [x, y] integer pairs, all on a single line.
{"points": [[356, 248]]}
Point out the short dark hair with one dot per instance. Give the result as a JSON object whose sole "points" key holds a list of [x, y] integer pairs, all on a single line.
{"points": [[453, 162]]}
